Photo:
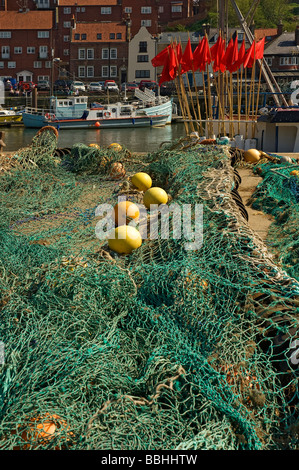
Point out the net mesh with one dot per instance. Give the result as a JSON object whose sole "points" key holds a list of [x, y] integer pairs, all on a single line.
{"points": [[166, 348]]}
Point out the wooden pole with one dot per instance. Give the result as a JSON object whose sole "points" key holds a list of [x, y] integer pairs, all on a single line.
{"points": [[257, 98]]}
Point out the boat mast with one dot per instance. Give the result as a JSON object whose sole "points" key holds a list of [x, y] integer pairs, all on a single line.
{"points": [[266, 71]]}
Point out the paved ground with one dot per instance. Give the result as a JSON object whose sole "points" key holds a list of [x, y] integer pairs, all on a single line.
{"points": [[258, 221]]}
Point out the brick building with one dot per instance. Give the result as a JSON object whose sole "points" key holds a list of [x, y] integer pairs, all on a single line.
{"points": [[26, 52], [99, 51]]}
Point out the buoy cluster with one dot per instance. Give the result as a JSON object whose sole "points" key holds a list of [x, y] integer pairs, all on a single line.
{"points": [[125, 238]]}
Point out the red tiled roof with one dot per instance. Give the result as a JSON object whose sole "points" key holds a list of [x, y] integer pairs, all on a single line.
{"points": [[84, 3], [10, 20], [262, 33], [92, 29]]}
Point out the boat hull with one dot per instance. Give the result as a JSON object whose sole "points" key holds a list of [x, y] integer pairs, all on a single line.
{"points": [[163, 108], [38, 121]]}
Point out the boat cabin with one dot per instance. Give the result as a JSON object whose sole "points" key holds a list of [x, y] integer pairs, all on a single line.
{"points": [[72, 106]]}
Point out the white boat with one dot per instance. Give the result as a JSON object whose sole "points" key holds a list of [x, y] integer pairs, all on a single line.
{"points": [[73, 113]]}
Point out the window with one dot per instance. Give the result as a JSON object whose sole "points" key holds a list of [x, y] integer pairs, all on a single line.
{"points": [[81, 71], [269, 60], [30, 50], [143, 46], [99, 35], [128, 9], [240, 37], [43, 52], [118, 35], [18, 50], [112, 36], [37, 64], [82, 9], [288, 61], [1, 65], [90, 53], [90, 71], [43, 77], [43, 34], [66, 52], [105, 71], [5, 52], [77, 37], [48, 64], [81, 53], [66, 38], [142, 73], [42, 4], [161, 9], [113, 71], [66, 24], [146, 22], [106, 10], [83, 37], [113, 53], [142, 58], [176, 8], [67, 10], [11, 65], [5, 34], [146, 10], [105, 53]]}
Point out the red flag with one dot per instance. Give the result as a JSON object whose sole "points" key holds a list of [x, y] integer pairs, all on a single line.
{"points": [[249, 56], [217, 55], [234, 56], [170, 67], [259, 49], [187, 58], [204, 56], [160, 58], [241, 57], [179, 52], [196, 55], [227, 59]]}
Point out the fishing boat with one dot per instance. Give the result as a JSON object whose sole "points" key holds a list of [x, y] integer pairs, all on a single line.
{"points": [[9, 116], [74, 113]]}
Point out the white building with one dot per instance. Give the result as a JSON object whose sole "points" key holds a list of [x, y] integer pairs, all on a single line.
{"points": [[142, 49]]}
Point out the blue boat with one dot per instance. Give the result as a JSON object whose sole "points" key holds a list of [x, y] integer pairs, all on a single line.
{"points": [[74, 113]]}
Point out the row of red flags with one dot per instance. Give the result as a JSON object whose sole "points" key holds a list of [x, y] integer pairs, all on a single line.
{"points": [[222, 58]]}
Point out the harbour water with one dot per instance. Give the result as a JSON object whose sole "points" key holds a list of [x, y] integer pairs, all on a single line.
{"points": [[135, 140]]}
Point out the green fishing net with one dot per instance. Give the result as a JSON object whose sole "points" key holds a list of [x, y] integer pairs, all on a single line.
{"points": [[165, 348]]}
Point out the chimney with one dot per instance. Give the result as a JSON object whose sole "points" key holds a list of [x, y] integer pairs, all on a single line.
{"points": [[279, 28], [297, 36]]}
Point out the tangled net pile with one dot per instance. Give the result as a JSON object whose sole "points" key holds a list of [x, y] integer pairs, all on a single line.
{"points": [[166, 348], [278, 195]]}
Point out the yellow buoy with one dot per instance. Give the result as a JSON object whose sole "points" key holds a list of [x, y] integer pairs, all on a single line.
{"points": [[252, 155], [155, 196], [94, 145], [124, 212], [124, 239], [294, 173], [141, 181], [115, 146]]}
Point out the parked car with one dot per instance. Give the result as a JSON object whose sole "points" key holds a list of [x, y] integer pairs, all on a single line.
{"points": [[95, 86], [78, 86], [62, 85], [43, 85], [151, 84], [110, 85], [130, 86]]}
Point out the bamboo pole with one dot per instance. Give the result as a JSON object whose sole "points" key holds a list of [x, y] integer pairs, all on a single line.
{"points": [[257, 99]]}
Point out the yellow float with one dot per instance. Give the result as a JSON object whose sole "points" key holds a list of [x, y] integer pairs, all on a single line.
{"points": [[294, 173], [141, 181], [115, 146], [155, 195], [124, 212], [124, 239], [252, 155]]}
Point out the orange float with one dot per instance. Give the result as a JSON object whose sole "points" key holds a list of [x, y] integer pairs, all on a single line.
{"points": [[117, 171], [124, 212]]}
